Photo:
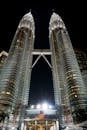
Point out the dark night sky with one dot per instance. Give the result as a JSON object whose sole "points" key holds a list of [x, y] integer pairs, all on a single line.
{"points": [[74, 16]]}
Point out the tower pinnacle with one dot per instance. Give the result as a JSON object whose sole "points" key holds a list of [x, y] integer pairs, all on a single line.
{"points": [[27, 21], [56, 22]]}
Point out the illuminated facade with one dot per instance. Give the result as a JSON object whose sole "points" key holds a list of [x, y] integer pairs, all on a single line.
{"points": [[3, 57], [14, 78], [70, 93], [67, 76], [82, 61]]}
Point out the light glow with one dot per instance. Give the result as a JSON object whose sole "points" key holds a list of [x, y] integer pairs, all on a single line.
{"points": [[44, 106], [38, 106], [32, 106], [50, 106]]}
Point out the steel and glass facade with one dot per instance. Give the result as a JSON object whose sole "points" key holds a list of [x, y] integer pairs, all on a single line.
{"points": [[66, 69], [81, 55], [15, 74], [70, 92], [3, 57]]}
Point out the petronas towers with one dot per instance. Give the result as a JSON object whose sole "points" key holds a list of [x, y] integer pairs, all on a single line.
{"points": [[70, 93]]}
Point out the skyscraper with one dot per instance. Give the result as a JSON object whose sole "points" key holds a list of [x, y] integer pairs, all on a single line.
{"points": [[81, 55], [69, 89], [15, 74], [66, 73]]}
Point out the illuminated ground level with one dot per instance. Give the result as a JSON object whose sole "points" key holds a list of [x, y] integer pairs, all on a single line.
{"points": [[38, 119]]}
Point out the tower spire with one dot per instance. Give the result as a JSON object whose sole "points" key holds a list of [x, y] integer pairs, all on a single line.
{"points": [[27, 21], [56, 22]]}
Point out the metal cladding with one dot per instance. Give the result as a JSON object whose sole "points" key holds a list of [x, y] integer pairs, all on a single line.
{"points": [[70, 93], [3, 57], [15, 75], [27, 22], [66, 73], [55, 22]]}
